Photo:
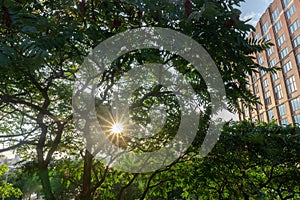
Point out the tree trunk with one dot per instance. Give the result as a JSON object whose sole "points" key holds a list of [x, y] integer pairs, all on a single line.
{"points": [[44, 176], [42, 164], [87, 175]]}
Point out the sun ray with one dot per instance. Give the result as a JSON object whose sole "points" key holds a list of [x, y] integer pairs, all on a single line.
{"points": [[117, 128]]}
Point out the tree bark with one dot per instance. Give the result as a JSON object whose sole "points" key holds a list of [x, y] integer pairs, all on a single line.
{"points": [[87, 175], [42, 164], [44, 176]]}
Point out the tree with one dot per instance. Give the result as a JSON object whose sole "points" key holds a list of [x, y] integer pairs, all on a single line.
{"points": [[25, 177], [7, 190], [251, 161], [44, 43]]}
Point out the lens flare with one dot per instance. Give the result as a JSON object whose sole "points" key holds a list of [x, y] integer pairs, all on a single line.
{"points": [[116, 128]]}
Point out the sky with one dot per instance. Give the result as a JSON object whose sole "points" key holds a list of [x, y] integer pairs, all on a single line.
{"points": [[254, 9]]}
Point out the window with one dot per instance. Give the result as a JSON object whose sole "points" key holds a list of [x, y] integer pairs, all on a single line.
{"points": [[260, 60], [273, 62], [283, 53], [295, 103], [256, 90], [290, 11], [270, 114], [268, 37], [268, 98], [265, 27], [287, 67], [298, 58], [265, 83], [281, 110], [286, 2], [297, 119], [259, 106], [262, 72], [254, 77], [284, 122], [280, 40], [277, 26], [296, 41], [247, 86], [275, 14], [261, 117], [247, 74], [294, 26], [291, 84], [257, 36], [275, 76], [245, 111], [278, 92], [270, 50]]}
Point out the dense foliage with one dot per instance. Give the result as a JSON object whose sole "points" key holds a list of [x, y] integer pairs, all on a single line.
{"points": [[7, 189], [42, 47], [251, 161]]}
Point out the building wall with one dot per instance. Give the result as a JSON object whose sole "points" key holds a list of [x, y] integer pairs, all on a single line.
{"points": [[279, 92]]}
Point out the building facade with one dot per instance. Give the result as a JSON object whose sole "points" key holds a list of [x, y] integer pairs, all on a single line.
{"points": [[279, 93]]}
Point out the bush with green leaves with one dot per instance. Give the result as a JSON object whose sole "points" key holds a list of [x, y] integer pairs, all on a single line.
{"points": [[7, 189]]}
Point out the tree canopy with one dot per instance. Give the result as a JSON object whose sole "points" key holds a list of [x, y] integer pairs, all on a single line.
{"points": [[43, 45]]}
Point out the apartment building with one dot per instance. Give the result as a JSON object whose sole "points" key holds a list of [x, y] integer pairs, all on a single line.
{"points": [[279, 93]]}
